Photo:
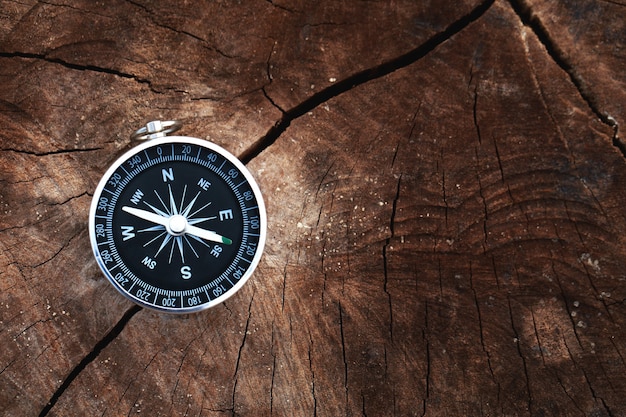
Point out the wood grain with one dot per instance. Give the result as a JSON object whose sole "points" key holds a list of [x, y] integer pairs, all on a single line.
{"points": [[586, 39], [444, 193]]}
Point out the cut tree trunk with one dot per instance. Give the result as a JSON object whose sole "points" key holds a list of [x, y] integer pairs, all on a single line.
{"points": [[446, 209]]}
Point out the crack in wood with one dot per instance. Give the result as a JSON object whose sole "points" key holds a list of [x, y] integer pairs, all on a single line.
{"points": [[481, 330], [273, 379], [385, 249], [282, 7], [79, 67], [312, 371], [617, 3], [158, 21], [239, 354], [570, 396], [530, 19], [67, 6], [270, 78], [55, 254], [595, 395], [360, 78], [89, 358], [49, 153], [484, 202], [343, 352], [475, 114], [427, 377], [518, 342]]}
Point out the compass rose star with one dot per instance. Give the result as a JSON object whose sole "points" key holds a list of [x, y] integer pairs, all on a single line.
{"points": [[175, 223]]}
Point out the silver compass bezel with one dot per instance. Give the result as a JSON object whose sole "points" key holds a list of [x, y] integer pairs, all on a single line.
{"points": [[213, 148]]}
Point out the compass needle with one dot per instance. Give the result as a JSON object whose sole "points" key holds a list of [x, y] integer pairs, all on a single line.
{"points": [[177, 224], [156, 210], [196, 238], [146, 215], [208, 235]]}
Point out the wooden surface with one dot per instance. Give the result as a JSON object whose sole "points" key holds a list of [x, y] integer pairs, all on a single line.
{"points": [[445, 192]]}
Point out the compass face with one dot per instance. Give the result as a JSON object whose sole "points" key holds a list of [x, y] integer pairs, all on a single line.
{"points": [[177, 224]]}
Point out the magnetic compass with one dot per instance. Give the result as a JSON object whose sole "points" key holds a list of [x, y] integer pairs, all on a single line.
{"points": [[177, 224]]}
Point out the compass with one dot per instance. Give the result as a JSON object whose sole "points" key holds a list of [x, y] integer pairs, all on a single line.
{"points": [[177, 224]]}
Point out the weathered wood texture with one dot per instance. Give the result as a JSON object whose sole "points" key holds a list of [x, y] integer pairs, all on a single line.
{"points": [[445, 192]]}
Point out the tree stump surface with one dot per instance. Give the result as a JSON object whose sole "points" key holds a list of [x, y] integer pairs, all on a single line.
{"points": [[445, 194]]}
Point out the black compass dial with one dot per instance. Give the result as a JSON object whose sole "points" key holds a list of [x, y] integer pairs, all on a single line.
{"points": [[177, 224]]}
